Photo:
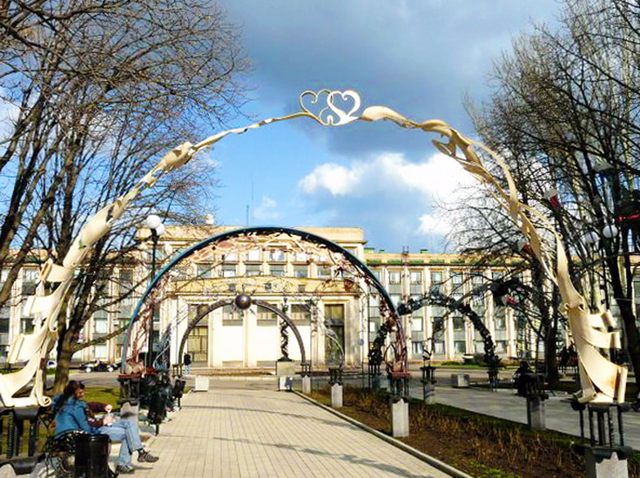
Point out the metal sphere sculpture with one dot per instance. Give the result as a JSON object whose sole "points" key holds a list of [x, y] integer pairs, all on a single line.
{"points": [[243, 301]]}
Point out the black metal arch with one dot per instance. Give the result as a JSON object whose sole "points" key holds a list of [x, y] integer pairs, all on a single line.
{"points": [[386, 305], [442, 300], [221, 303]]}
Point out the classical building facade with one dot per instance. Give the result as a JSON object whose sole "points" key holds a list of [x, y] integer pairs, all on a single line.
{"points": [[321, 301]]}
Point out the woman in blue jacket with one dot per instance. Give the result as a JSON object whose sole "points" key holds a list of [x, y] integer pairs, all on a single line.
{"points": [[73, 413]]}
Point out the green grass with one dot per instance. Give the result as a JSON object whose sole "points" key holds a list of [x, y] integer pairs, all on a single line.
{"points": [[108, 395]]}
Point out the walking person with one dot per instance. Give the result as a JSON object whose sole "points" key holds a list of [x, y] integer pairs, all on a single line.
{"points": [[186, 360], [73, 413]]}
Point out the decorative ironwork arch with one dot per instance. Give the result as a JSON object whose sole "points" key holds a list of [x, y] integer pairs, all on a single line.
{"points": [[260, 303], [397, 364]]}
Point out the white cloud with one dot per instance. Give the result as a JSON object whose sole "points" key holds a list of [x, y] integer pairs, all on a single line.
{"points": [[266, 210], [8, 115], [436, 178], [434, 223]]}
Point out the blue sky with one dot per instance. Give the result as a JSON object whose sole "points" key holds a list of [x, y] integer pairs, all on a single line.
{"points": [[420, 58]]}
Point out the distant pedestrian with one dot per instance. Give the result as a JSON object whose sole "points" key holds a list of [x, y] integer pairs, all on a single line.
{"points": [[186, 360]]}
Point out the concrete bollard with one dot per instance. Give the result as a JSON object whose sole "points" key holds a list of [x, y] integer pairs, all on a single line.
{"points": [[285, 383], [202, 384], [611, 467], [460, 380], [400, 418], [336, 395], [306, 385], [535, 413]]}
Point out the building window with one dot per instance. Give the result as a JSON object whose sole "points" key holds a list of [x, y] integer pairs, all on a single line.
{"points": [[101, 325], [459, 346], [5, 319], [100, 351], [324, 272], [300, 313], [266, 314], [252, 270], [300, 257], [436, 281], [26, 325], [29, 281], [276, 270], [457, 280], [300, 271], [417, 324], [458, 323], [499, 320], [277, 256], [230, 257], [417, 347], [228, 270], [204, 271], [376, 273], [395, 299], [438, 348], [415, 277], [394, 277], [229, 312], [254, 255], [501, 346]]}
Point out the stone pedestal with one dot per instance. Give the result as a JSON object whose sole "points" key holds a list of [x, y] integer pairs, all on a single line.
{"points": [[429, 393], [285, 371], [535, 413], [400, 418], [285, 383], [611, 467], [460, 380], [202, 384], [336, 395], [306, 385]]}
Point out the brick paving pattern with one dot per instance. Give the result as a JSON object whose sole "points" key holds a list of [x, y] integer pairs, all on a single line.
{"points": [[236, 432]]}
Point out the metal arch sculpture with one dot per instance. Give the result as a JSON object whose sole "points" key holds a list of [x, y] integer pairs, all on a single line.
{"points": [[439, 299], [398, 361], [260, 303], [602, 380]]}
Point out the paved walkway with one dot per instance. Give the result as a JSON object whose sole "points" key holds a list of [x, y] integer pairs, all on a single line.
{"points": [[505, 404], [255, 432]]}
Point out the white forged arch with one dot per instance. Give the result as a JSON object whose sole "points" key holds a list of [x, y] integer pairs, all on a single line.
{"points": [[602, 380]]}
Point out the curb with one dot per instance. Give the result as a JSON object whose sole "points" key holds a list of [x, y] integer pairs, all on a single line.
{"points": [[440, 465]]}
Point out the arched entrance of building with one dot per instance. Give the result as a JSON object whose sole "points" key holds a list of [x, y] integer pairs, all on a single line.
{"points": [[347, 276]]}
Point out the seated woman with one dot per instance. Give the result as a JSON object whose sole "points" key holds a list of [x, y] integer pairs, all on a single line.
{"points": [[73, 413]]}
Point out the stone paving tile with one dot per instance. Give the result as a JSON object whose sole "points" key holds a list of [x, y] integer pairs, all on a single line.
{"points": [[263, 433], [505, 404]]}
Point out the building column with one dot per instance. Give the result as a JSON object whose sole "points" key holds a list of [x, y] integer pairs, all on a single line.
{"points": [[215, 324], [249, 325]]}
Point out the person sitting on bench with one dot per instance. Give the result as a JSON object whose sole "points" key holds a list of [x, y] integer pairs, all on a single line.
{"points": [[73, 413]]}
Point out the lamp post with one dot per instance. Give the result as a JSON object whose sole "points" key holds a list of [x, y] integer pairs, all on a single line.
{"points": [[154, 223]]}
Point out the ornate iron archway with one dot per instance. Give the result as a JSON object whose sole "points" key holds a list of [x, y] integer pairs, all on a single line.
{"points": [[260, 303], [348, 266]]}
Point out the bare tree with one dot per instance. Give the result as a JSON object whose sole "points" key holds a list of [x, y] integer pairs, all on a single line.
{"points": [[101, 88], [565, 115]]}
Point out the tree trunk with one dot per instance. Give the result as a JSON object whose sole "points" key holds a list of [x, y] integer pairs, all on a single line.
{"points": [[65, 352]]}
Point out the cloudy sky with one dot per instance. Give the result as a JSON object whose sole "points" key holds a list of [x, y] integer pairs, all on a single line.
{"points": [[420, 58]]}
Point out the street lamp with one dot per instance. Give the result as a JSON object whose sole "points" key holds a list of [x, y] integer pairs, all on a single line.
{"points": [[154, 223]]}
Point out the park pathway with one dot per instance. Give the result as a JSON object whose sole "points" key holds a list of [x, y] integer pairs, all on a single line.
{"points": [[238, 432]]}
